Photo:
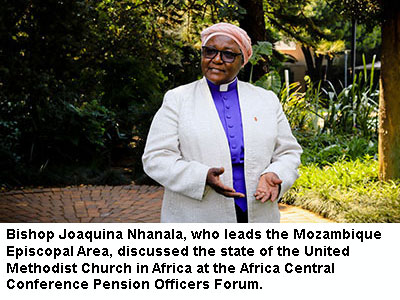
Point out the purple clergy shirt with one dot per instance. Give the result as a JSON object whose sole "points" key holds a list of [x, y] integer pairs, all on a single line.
{"points": [[226, 101]]}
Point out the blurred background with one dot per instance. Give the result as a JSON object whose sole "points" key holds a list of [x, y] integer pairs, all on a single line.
{"points": [[81, 80]]}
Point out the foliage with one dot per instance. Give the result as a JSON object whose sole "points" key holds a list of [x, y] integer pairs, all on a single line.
{"points": [[295, 106], [11, 135], [347, 191], [86, 129], [71, 74], [36, 46], [262, 51], [81, 80], [368, 14], [270, 81], [330, 48], [323, 149], [192, 16], [314, 24], [368, 40], [306, 21], [364, 11], [353, 110]]}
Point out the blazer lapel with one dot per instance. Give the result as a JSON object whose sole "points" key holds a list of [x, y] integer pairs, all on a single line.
{"points": [[247, 115], [218, 136]]}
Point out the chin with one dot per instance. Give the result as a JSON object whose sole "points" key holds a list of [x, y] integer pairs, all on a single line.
{"points": [[217, 79]]}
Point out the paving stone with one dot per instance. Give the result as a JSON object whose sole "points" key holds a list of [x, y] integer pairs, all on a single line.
{"points": [[103, 204]]}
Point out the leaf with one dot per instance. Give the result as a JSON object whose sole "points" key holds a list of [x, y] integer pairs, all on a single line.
{"points": [[270, 81], [262, 48]]}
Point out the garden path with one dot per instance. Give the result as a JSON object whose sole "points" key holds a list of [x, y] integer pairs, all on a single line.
{"points": [[130, 203]]}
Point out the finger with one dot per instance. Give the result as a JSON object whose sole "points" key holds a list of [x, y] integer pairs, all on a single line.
{"points": [[224, 188], [233, 195], [217, 184], [269, 181], [272, 179], [276, 180], [218, 171], [261, 190], [274, 195], [266, 197], [259, 196]]}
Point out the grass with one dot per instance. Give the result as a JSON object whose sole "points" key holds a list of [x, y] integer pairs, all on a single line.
{"points": [[347, 191]]}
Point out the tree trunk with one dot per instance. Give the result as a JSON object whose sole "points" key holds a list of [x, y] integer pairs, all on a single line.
{"points": [[311, 70], [315, 69], [318, 66], [389, 100], [329, 63], [253, 23]]}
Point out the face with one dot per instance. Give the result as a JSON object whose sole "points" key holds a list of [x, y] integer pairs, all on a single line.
{"points": [[216, 70]]}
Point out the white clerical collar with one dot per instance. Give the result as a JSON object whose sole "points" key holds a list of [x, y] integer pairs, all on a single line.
{"points": [[224, 87]]}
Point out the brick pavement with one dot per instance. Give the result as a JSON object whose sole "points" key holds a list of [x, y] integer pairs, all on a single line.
{"points": [[130, 203]]}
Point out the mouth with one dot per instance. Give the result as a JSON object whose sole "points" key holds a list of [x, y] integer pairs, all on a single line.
{"points": [[214, 70]]}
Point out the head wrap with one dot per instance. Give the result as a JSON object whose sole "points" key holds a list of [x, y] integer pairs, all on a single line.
{"points": [[234, 32]]}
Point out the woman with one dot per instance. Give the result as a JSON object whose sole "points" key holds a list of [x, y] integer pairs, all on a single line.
{"points": [[222, 148]]}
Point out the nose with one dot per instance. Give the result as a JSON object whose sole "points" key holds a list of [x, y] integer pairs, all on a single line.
{"points": [[218, 59]]}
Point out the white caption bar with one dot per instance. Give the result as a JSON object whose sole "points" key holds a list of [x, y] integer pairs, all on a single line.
{"points": [[176, 261]]}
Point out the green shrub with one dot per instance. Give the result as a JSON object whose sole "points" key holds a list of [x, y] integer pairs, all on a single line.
{"points": [[296, 107], [353, 110], [62, 134], [80, 92], [322, 149], [347, 191]]}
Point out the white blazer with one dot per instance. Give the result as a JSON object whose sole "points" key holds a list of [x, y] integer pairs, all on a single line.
{"points": [[186, 139]]}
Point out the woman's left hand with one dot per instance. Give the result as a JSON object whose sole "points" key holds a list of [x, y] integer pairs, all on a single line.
{"points": [[268, 187]]}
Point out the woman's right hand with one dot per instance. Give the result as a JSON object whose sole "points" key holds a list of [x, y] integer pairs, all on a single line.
{"points": [[214, 182]]}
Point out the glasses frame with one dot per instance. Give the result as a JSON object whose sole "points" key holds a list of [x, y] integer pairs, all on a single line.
{"points": [[222, 54]]}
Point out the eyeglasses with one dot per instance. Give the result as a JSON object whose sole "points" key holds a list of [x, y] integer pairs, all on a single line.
{"points": [[226, 56]]}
